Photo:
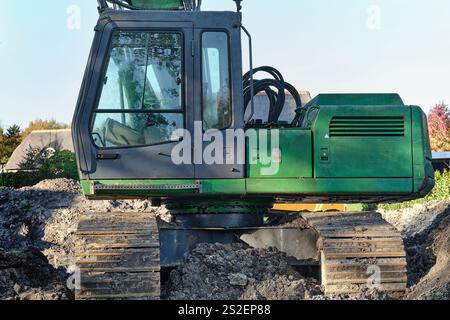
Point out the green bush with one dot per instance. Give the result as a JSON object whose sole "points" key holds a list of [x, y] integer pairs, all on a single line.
{"points": [[61, 164], [369, 207], [441, 191]]}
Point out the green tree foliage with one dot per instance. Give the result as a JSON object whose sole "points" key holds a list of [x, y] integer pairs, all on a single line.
{"points": [[2, 137], [31, 159], [38, 166], [62, 164], [9, 141]]}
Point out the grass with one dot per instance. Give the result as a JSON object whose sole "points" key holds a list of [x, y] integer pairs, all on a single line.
{"points": [[355, 207]]}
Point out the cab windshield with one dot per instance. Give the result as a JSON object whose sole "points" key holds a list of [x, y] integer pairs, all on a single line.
{"points": [[141, 100]]}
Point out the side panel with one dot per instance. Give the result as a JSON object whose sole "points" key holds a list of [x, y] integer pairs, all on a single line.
{"points": [[296, 155], [363, 142], [333, 190]]}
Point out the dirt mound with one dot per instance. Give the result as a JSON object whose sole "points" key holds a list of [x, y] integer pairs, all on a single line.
{"points": [[426, 231], [232, 272], [435, 285], [27, 275], [415, 220], [37, 236], [61, 185], [238, 272]]}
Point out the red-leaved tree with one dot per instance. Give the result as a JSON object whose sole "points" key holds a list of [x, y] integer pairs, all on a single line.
{"points": [[439, 127]]}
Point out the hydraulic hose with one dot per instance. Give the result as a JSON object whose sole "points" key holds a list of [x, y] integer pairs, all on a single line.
{"points": [[189, 5], [275, 89]]}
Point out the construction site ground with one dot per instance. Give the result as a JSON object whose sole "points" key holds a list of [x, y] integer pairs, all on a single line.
{"points": [[38, 238]]}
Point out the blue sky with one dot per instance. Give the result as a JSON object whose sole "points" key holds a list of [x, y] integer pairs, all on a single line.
{"points": [[319, 45]]}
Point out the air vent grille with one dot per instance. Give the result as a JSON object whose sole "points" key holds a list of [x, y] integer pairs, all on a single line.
{"points": [[367, 127]]}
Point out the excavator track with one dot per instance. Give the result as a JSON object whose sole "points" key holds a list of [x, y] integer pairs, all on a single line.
{"points": [[359, 250], [118, 257]]}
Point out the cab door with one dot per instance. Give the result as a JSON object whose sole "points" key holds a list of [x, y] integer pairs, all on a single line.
{"points": [[219, 102], [136, 103]]}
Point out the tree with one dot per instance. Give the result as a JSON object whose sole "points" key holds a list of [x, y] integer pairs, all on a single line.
{"points": [[2, 147], [13, 132], [40, 124], [439, 127], [61, 164], [38, 165], [9, 141], [32, 159]]}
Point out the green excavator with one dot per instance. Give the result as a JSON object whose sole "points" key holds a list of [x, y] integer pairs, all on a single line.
{"points": [[165, 113]]}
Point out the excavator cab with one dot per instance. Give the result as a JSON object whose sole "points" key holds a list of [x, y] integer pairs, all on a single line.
{"points": [[151, 75], [165, 113]]}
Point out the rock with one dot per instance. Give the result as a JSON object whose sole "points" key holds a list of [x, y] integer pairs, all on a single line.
{"points": [[277, 288], [23, 231], [238, 279], [17, 288]]}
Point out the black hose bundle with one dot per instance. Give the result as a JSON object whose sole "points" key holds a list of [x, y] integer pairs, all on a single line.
{"points": [[189, 5], [275, 89]]}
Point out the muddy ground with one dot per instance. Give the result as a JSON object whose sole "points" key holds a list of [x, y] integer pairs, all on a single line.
{"points": [[37, 241], [426, 233]]}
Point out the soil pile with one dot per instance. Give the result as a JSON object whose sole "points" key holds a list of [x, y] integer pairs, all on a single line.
{"points": [[426, 232], [38, 237], [233, 272]]}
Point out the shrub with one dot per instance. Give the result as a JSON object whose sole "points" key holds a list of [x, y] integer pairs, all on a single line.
{"points": [[35, 168], [61, 164], [441, 191]]}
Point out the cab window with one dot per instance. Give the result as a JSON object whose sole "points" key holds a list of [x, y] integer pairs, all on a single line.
{"points": [[141, 99], [216, 90]]}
